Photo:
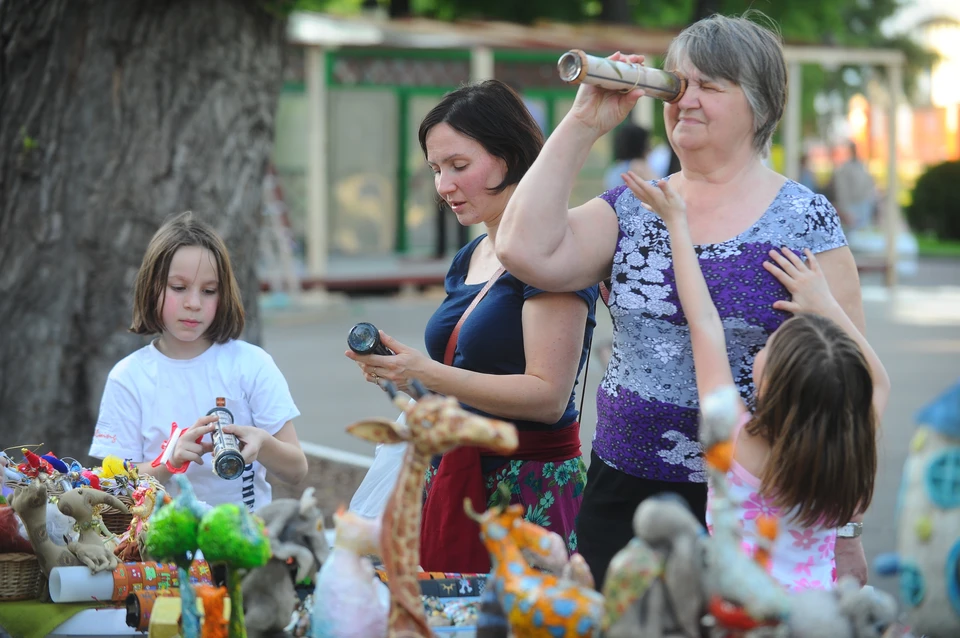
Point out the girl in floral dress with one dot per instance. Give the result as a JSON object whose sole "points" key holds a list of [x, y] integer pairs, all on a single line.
{"points": [[807, 453]]}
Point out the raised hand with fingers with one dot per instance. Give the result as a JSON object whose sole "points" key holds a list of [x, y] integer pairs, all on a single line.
{"points": [[804, 281], [661, 199]]}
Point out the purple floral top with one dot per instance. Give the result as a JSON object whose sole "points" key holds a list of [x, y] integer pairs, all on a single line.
{"points": [[647, 406]]}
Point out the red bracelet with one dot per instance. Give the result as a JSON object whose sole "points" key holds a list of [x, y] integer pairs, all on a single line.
{"points": [[167, 448]]}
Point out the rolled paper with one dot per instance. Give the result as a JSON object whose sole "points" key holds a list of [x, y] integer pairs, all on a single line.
{"points": [[79, 584], [140, 606], [577, 67]]}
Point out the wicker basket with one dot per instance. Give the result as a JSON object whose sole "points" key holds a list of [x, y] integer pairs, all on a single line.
{"points": [[20, 577], [115, 520]]}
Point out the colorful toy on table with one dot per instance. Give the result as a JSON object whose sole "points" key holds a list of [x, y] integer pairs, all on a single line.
{"points": [[654, 585], [542, 549], [434, 425], [230, 535], [139, 605], [298, 547], [79, 476], [30, 503], [172, 536], [928, 514], [349, 602], [118, 476], [536, 603], [130, 544], [82, 504], [34, 466], [215, 623]]}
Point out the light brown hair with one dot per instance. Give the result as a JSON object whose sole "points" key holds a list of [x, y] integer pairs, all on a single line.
{"points": [[186, 229], [815, 409]]}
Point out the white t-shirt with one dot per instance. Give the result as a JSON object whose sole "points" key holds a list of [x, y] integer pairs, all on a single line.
{"points": [[147, 391]]}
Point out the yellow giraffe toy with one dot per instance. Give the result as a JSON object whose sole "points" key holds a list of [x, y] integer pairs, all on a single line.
{"points": [[537, 604], [434, 425]]}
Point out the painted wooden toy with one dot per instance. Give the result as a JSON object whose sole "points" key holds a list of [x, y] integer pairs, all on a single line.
{"points": [[928, 534], [434, 425], [537, 604]]}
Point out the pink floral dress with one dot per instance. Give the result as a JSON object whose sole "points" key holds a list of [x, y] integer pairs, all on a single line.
{"points": [[802, 557]]}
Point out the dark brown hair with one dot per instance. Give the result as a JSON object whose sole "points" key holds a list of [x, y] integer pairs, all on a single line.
{"points": [[815, 409], [494, 115], [151, 285]]}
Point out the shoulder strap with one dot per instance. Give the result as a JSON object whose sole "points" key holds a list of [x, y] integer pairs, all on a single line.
{"points": [[452, 343]]}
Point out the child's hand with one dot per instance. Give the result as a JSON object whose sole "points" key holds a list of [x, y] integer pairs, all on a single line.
{"points": [[804, 281], [188, 450], [661, 199], [252, 439]]}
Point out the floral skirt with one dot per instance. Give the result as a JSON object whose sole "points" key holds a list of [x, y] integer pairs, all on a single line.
{"points": [[550, 493]]}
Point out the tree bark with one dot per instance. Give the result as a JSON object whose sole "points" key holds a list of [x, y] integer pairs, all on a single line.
{"points": [[705, 9], [615, 12], [115, 116]]}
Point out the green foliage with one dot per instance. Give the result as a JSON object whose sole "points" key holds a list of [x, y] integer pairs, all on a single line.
{"points": [[935, 209], [230, 534], [854, 23], [172, 534]]}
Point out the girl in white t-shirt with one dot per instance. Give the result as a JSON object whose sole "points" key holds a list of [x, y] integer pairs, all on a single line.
{"points": [[186, 293]]}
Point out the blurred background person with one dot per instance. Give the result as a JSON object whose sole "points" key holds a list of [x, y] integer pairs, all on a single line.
{"points": [[631, 145]]}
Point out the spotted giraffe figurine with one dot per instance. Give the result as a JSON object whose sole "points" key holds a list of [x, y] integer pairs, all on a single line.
{"points": [[537, 604], [434, 425]]}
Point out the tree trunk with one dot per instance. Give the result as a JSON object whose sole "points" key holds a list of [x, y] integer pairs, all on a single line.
{"points": [[115, 116], [705, 9], [615, 12]]}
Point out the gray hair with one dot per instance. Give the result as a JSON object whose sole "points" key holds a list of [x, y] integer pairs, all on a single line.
{"points": [[743, 52]]}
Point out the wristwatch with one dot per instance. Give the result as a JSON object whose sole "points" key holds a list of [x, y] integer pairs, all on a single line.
{"points": [[850, 530]]}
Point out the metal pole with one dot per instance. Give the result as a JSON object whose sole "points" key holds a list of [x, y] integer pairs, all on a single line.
{"points": [[892, 217], [792, 121], [317, 170]]}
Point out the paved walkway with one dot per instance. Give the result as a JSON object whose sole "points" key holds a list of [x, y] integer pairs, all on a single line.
{"points": [[915, 330]]}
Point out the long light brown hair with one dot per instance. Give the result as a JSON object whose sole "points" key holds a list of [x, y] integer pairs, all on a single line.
{"points": [[186, 229], [815, 408]]}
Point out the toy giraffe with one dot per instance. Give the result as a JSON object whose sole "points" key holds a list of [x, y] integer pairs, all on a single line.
{"points": [[434, 425], [537, 604]]}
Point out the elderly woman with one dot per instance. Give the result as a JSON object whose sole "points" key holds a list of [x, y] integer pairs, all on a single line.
{"points": [[738, 210]]}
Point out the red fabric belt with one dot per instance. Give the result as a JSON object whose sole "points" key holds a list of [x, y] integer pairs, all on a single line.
{"points": [[449, 539]]}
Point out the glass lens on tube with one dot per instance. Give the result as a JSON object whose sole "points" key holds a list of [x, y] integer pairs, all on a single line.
{"points": [[363, 338], [569, 66]]}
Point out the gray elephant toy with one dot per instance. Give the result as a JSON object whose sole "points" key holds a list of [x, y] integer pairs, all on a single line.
{"points": [[296, 533]]}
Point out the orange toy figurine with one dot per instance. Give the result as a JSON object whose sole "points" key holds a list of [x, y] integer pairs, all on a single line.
{"points": [[214, 622], [536, 604]]}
